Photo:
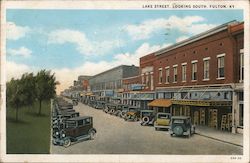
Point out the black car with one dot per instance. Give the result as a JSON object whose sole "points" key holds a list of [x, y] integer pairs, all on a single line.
{"points": [[147, 117], [181, 125], [74, 129]]}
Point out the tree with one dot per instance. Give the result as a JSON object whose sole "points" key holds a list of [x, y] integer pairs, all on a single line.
{"points": [[15, 95], [45, 85], [28, 82]]}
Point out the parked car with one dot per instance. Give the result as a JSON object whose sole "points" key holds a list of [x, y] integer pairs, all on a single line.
{"points": [[110, 108], [147, 117], [75, 129], [75, 101], [162, 121], [99, 105], [132, 114], [181, 125]]}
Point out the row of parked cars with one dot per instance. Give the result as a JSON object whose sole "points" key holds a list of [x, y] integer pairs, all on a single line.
{"points": [[68, 126], [176, 125]]}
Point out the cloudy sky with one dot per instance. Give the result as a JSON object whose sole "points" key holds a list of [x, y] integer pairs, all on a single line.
{"points": [[87, 42]]}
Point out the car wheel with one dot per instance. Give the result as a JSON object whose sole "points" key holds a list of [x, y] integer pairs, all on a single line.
{"points": [[156, 128], [67, 142], [145, 119], [178, 130], [92, 135], [171, 135]]}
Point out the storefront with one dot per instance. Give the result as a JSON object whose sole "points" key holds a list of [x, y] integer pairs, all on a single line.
{"points": [[215, 114]]}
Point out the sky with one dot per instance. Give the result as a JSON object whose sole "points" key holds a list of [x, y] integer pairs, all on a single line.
{"points": [[86, 42]]}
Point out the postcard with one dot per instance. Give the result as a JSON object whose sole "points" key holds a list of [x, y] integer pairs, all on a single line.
{"points": [[124, 81]]}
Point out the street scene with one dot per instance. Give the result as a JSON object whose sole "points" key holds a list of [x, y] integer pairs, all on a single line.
{"points": [[125, 82], [117, 136]]}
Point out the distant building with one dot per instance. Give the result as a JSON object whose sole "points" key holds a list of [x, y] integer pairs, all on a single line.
{"points": [[109, 82]]}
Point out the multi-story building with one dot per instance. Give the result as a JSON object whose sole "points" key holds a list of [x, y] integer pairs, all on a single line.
{"points": [[201, 76], [109, 83], [135, 94]]}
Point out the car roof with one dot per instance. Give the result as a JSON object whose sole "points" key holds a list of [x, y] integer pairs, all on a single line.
{"points": [[78, 118], [180, 117]]}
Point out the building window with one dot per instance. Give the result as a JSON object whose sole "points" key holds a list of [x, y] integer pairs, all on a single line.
{"points": [[147, 81], [206, 69], [167, 75], [160, 75], [142, 78], [152, 81], [221, 68], [194, 70], [184, 72], [241, 115], [241, 65], [175, 73]]}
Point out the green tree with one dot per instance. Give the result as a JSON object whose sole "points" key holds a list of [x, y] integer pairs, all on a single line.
{"points": [[45, 85], [15, 95], [28, 82]]}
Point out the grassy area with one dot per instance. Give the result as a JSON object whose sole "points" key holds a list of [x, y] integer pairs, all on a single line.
{"points": [[31, 134]]}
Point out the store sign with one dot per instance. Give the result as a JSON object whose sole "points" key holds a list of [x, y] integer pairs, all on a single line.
{"points": [[109, 93], [136, 87]]}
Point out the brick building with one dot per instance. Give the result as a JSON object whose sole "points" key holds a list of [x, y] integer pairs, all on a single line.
{"points": [[202, 76]]}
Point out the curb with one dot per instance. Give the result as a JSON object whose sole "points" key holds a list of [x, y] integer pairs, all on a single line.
{"points": [[220, 140]]}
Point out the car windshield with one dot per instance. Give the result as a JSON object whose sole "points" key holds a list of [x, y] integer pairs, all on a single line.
{"points": [[71, 124], [163, 116], [178, 121], [132, 109]]}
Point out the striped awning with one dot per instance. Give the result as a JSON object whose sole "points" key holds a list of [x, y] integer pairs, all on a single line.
{"points": [[160, 103]]}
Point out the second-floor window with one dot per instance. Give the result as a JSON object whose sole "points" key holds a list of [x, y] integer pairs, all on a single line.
{"points": [[194, 70], [241, 65], [221, 65], [175, 73], [160, 75], [167, 75], [206, 69], [184, 72], [147, 80]]}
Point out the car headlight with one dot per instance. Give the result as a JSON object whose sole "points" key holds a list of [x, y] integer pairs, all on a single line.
{"points": [[57, 133], [63, 135]]}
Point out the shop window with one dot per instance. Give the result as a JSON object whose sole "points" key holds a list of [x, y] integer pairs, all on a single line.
{"points": [[184, 72], [241, 96], [194, 70], [221, 66], [241, 65], [241, 114]]}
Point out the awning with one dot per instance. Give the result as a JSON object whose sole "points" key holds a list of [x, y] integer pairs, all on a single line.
{"points": [[202, 102], [88, 94], [160, 103]]}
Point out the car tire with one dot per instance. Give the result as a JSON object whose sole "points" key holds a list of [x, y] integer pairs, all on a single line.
{"points": [[178, 130], [92, 135], [66, 142], [145, 119], [156, 129]]}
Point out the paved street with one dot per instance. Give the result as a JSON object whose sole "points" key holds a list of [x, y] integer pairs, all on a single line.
{"points": [[116, 136]]}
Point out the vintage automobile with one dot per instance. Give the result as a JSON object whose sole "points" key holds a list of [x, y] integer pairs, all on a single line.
{"points": [[99, 105], [181, 125], [147, 117], [110, 108], [162, 121], [119, 108], [132, 114], [75, 102], [75, 129]]}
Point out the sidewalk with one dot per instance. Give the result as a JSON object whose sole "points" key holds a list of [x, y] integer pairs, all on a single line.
{"points": [[224, 136]]}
